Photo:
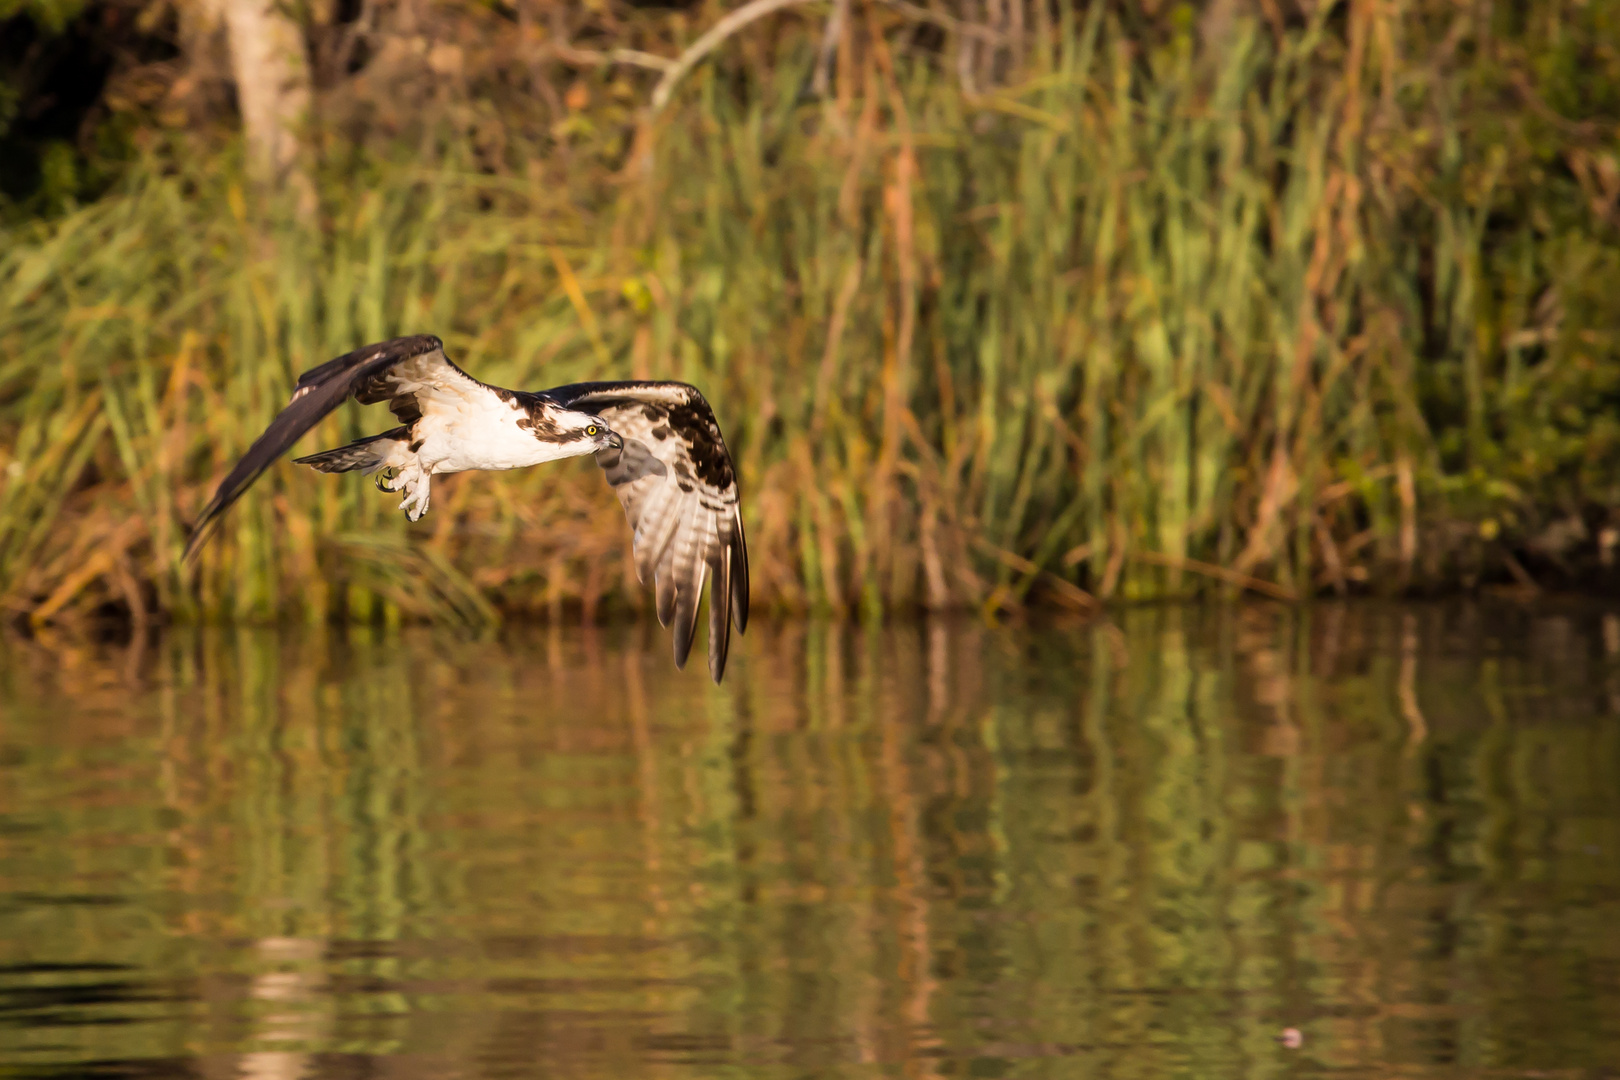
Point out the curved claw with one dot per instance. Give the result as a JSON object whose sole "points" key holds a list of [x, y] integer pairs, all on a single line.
{"points": [[417, 489], [415, 507]]}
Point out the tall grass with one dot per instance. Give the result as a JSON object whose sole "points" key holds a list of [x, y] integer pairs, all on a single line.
{"points": [[1289, 308]]}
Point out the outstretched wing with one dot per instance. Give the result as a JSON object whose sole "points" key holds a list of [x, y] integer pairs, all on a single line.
{"points": [[678, 487], [411, 373]]}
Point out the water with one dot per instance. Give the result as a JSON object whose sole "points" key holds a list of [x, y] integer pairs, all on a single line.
{"points": [[1173, 846]]}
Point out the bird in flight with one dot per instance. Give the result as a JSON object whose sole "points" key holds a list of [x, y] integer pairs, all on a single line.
{"points": [[657, 443]]}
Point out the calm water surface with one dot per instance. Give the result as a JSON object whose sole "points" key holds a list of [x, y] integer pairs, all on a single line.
{"points": [[1145, 849]]}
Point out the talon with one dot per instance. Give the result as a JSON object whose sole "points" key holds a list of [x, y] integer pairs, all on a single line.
{"points": [[385, 480], [415, 485], [415, 503]]}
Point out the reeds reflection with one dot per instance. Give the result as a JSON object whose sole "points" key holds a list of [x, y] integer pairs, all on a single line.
{"points": [[1133, 850]]}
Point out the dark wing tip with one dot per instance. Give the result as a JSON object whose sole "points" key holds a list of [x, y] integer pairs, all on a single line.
{"points": [[739, 576], [720, 600], [259, 457], [199, 536], [683, 645], [688, 594]]}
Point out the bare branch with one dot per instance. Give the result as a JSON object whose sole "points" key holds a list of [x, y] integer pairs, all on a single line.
{"points": [[750, 12], [758, 9], [591, 58], [829, 47]]}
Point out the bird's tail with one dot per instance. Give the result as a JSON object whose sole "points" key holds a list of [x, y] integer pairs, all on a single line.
{"points": [[387, 450]]}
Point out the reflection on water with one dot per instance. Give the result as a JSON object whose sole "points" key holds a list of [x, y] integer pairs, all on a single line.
{"points": [[1137, 850]]}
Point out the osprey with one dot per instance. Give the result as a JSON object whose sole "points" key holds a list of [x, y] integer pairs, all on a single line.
{"points": [[657, 442]]}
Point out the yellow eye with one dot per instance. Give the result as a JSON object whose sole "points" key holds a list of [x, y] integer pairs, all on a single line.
{"points": [[591, 430]]}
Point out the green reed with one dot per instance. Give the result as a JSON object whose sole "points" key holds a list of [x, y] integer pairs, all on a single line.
{"points": [[1291, 309]]}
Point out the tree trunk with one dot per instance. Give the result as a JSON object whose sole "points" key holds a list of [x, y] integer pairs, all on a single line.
{"points": [[271, 67]]}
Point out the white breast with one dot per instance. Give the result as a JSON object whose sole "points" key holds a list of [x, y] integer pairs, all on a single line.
{"points": [[481, 433]]}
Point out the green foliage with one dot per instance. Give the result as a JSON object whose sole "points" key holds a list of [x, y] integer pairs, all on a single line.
{"points": [[63, 137], [52, 16], [1311, 305]]}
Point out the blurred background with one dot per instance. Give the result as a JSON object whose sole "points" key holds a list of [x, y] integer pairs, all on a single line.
{"points": [[1000, 302]]}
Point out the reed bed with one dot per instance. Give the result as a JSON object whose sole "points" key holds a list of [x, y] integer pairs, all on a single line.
{"points": [[1287, 306]]}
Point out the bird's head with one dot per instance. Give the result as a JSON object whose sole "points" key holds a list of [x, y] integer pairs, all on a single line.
{"points": [[568, 432], [593, 431], [606, 438]]}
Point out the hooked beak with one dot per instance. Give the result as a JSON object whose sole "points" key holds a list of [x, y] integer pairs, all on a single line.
{"points": [[615, 441]]}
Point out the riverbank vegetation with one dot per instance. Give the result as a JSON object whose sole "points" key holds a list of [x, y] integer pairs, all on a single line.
{"points": [[1066, 302]]}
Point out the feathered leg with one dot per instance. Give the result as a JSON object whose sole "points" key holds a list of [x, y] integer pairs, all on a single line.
{"points": [[388, 456], [389, 450]]}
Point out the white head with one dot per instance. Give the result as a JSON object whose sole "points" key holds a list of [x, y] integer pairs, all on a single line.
{"points": [[570, 433]]}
